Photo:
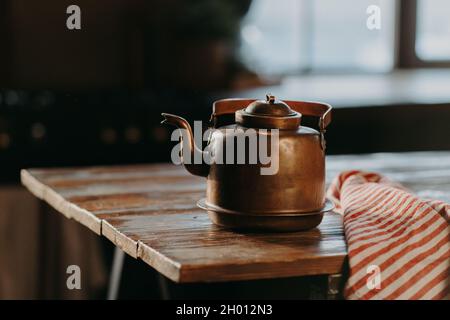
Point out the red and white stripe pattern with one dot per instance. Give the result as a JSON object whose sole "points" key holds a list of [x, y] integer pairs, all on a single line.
{"points": [[390, 230]]}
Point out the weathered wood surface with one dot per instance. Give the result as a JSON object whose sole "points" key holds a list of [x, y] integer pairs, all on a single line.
{"points": [[150, 212], [427, 174]]}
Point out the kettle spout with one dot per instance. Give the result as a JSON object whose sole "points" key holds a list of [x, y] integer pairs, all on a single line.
{"points": [[198, 169]]}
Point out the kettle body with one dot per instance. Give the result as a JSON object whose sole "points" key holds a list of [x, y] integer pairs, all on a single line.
{"points": [[294, 179], [265, 164]]}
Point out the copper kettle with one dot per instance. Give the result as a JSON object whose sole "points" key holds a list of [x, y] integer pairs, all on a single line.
{"points": [[238, 195]]}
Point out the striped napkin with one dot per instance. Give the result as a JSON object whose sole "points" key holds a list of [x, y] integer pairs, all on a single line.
{"points": [[398, 244]]}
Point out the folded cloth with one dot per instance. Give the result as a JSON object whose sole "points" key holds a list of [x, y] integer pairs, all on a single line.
{"points": [[398, 244]]}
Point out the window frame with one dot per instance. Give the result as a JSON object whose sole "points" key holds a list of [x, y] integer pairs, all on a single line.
{"points": [[407, 57]]}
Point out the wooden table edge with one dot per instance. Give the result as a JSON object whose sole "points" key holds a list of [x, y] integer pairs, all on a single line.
{"points": [[163, 264], [265, 270], [298, 268], [125, 243], [69, 210]]}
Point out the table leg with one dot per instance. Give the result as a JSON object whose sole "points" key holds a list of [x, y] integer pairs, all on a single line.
{"points": [[116, 274], [334, 286], [163, 287]]}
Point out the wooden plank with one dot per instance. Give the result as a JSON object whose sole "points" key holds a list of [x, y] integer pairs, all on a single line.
{"points": [[88, 195], [425, 173], [187, 247], [42, 191], [123, 228], [150, 212]]}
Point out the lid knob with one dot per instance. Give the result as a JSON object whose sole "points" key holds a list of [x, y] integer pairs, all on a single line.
{"points": [[269, 113], [270, 98]]}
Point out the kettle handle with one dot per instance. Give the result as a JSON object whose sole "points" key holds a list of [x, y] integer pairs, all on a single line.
{"points": [[315, 109], [227, 106], [308, 108]]}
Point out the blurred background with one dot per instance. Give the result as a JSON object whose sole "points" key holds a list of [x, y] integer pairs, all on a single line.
{"points": [[94, 96]]}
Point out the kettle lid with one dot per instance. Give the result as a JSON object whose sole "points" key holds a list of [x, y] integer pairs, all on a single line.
{"points": [[270, 113]]}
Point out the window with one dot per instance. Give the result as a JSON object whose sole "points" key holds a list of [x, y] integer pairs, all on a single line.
{"points": [[433, 30], [317, 35], [272, 36]]}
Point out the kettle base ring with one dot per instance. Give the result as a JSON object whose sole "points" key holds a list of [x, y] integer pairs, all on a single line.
{"points": [[271, 223]]}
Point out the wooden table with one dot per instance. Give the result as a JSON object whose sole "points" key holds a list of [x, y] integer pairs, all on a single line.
{"points": [[149, 211]]}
